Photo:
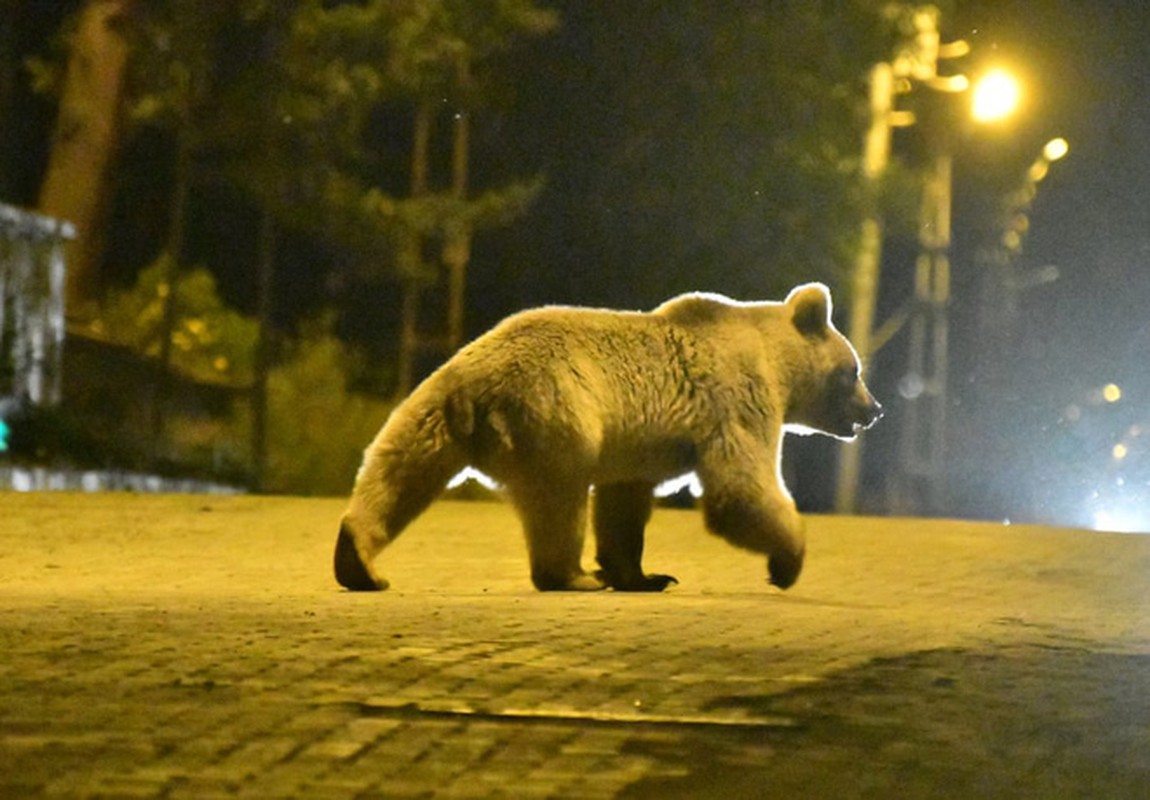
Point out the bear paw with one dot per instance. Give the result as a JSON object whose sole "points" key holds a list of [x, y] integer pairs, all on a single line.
{"points": [[350, 569], [784, 569]]}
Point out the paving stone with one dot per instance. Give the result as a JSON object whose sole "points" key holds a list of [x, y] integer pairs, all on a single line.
{"points": [[171, 651]]}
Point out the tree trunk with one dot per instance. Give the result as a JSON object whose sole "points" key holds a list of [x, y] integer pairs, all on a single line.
{"points": [[173, 266], [85, 142], [413, 254], [457, 249]]}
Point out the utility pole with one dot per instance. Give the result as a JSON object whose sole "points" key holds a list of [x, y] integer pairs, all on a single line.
{"points": [[916, 62], [922, 447], [864, 279]]}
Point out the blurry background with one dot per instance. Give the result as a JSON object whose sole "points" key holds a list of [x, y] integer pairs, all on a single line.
{"points": [[286, 213]]}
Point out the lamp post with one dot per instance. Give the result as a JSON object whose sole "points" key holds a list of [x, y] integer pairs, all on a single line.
{"points": [[921, 484], [864, 278], [915, 61], [925, 384]]}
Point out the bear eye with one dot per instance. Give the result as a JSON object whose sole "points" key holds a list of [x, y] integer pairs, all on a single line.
{"points": [[846, 377]]}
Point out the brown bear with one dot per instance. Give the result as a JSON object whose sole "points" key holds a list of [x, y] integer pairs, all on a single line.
{"points": [[557, 400]]}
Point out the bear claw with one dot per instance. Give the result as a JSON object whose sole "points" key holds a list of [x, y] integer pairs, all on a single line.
{"points": [[644, 583], [656, 583]]}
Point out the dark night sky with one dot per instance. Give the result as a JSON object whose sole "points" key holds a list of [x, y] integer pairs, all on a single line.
{"points": [[1091, 217]]}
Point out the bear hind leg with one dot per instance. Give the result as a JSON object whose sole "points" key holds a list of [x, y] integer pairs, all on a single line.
{"points": [[554, 522], [621, 512]]}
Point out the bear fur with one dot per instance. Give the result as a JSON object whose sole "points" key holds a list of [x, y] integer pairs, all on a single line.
{"points": [[556, 400]]}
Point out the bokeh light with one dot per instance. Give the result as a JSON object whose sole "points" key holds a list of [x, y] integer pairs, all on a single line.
{"points": [[996, 95]]}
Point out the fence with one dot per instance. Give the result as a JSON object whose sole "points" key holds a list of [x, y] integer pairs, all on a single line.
{"points": [[31, 306]]}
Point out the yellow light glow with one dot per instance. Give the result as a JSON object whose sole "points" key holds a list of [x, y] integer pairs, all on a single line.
{"points": [[1111, 393], [1056, 149], [1119, 452], [996, 95]]}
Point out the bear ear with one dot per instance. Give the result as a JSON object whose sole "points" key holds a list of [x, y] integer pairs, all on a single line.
{"points": [[810, 308]]}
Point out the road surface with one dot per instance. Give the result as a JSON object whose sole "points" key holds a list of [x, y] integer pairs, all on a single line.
{"points": [[196, 647]]}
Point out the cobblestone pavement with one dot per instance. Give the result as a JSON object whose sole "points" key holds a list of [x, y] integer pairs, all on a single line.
{"points": [[188, 647]]}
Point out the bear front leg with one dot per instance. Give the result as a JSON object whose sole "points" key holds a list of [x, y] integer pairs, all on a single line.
{"points": [[352, 570], [404, 470], [621, 512], [554, 521], [770, 526], [744, 502]]}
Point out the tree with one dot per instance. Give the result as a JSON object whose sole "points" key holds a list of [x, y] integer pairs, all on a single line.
{"points": [[421, 56], [88, 135], [174, 58]]}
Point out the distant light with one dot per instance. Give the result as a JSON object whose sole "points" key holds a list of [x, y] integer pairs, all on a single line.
{"points": [[4, 433], [911, 386], [1119, 452], [1111, 393], [1055, 149], [996, 95], [1120, 520]]}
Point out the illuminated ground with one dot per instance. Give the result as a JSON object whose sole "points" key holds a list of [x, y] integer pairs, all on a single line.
{"points": [[192, 647]]}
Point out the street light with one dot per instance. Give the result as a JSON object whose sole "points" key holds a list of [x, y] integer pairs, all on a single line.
{"points": [[923, 441], [995, 96], [1055, 149]]}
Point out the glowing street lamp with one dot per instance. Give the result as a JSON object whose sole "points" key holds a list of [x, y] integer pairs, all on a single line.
{"points": [[995, 96], [1056, 149], [921, 483]]}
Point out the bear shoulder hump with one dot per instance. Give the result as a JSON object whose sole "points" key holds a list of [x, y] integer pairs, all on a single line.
{"points": [[696, 308]]}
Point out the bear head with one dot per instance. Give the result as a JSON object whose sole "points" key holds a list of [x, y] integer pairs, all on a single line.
{"points": [[827, 391]]}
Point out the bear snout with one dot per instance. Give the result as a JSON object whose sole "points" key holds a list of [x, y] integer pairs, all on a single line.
{"points": [[865, 410], [872, 413]]}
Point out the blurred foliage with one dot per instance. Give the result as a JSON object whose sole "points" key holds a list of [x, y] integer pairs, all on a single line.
{"points": [[211, 342], [319, 428]]}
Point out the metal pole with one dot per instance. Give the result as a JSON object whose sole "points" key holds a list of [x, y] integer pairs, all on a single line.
{"points": [[922, 479], [864, 280]]}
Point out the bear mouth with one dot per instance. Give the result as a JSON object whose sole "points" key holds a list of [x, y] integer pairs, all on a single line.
{"points": [[864, 422]]}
